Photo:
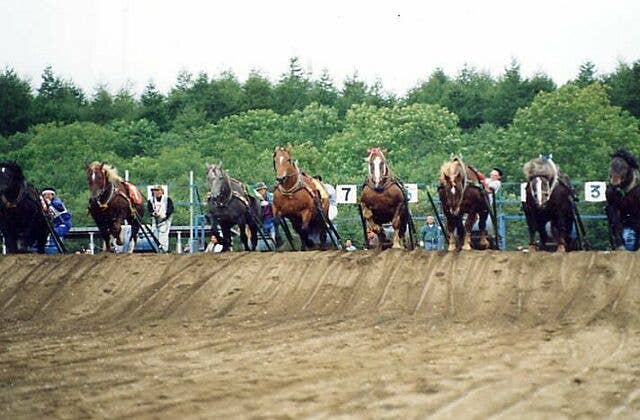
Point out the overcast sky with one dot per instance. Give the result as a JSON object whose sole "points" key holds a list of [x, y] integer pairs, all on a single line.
{"points": [[398, 42]]}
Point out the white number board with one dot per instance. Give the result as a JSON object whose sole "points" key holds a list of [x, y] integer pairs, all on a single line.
{"points": [[523, 192], [595, 191], [346, 194], [412, 192]]}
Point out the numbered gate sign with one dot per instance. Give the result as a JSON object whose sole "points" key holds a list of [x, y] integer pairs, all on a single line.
{"points": [[523, 192], [595, 191], [346, 194], [412, 192]]}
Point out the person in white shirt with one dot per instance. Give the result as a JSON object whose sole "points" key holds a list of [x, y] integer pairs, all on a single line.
{"points": [[161, 208], [213, 245], [495, 180]]}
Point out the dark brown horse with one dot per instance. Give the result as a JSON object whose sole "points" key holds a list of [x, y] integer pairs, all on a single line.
{"points": [[230, 204], [623, 197], [299, 198], [22, 221], [549, 199], [111, 202], [461, 193], [383, 200]]}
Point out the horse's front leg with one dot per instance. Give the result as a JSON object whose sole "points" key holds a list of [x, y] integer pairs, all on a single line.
{"points": [[305, 224], [116, 231], [226, 237], [615, 226], [373, 226], [452, 226], [559, 234], [397, 224], [468, 225], [532, 227]]}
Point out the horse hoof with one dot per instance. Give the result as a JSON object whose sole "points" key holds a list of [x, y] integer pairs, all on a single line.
{"points": [[532, 248], [561, 248]]}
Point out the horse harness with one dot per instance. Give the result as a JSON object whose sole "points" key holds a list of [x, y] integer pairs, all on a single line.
{"points": [[232, 193], [13, 204]]}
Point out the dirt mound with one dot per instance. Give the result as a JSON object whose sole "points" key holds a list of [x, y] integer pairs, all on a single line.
{"points": [[83, 290], [320, 333]]}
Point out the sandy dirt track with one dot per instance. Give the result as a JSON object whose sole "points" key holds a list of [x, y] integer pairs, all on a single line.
{"points": [[392, 334]]}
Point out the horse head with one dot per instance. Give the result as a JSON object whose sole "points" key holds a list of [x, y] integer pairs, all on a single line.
{"points": [[283, 165], [621, 168], [452, 179], [216, 179], [10, 175], [542, 175], [378, 169]]}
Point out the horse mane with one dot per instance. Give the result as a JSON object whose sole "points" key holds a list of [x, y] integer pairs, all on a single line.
{"points": [[540, 166], [13, 165], [112, 173], [448, 167], [627, 157]]}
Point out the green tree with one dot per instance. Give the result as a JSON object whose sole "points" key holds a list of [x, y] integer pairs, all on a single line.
{"points": [[587, 74], [469, 96], [578, 125], [292, 91], [258, 92], [433, 91], [57, 100], [153, 107], [323, 91], [624, 87], [15, 103]]}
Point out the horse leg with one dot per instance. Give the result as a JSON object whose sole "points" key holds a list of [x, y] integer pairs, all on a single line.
{"points": [[557, 231], [532, 227], [482, 224], [615, 223], [468, 225], [243, 236], [305, 224], [373, 226], [135, 227], [452, 225], [396, 222], [226, 237]]}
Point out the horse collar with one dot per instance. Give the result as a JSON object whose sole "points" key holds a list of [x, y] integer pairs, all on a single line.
{"points": [[105, 205], [12, 204]]}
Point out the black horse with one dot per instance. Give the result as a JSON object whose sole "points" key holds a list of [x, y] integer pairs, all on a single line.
{"points": [[623, 197], [22, 221], [549, 199], [229, 205]]}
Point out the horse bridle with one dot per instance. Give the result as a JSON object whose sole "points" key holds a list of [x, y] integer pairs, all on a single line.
{"points": [[228, 182], [102, 190]]}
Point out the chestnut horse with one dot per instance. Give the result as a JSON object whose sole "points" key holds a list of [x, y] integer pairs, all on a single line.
{"points": [[623, 197], [461, 193], [548, 200], [299, 198], [383, 200], [111, 202]]}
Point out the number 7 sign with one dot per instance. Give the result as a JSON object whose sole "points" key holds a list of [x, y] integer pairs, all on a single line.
{"points": [[346, 194]]}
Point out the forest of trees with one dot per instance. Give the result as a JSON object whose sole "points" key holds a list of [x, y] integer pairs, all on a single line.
{"points": [[52, 131]]}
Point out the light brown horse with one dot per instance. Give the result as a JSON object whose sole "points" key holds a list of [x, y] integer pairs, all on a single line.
{"points": [[299, 198], [461, 193], [383, 200]]}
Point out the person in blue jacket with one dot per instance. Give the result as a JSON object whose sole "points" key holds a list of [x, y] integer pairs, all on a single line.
{"points": [[60, 216]]}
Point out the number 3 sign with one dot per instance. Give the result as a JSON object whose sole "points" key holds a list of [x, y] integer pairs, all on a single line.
{"points": [[595, 191], [346, 194]]}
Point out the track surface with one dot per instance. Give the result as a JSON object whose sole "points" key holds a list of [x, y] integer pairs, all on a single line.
{"points": [[390, 334]]}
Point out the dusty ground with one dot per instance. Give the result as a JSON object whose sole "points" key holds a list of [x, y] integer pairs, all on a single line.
{"points": [[389, 334]]}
